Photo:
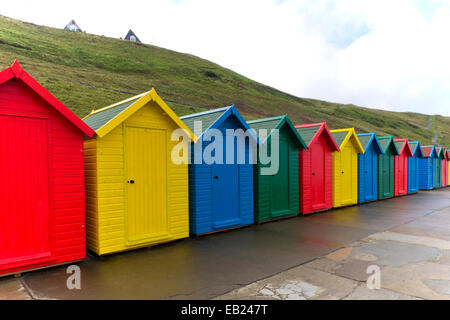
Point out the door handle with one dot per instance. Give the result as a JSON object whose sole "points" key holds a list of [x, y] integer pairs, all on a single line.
{"points": [[216, 177], [313, 173], [342, 172], [131, 182]]}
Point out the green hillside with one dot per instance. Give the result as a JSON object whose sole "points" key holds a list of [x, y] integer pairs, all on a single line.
{"points": [[87, 72]]}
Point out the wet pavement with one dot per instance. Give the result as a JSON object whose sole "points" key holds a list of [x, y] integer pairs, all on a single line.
{"points": [[413, 259], [322, 256]]}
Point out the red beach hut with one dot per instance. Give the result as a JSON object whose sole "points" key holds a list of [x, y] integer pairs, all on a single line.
{"points": [[41, 176], [401, 167], [315, 168]]}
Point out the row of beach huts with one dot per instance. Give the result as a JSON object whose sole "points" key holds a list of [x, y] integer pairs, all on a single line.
{"points": [[108, 182]]}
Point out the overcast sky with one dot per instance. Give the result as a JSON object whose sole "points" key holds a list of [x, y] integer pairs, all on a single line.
{"points": [[392, 55]]}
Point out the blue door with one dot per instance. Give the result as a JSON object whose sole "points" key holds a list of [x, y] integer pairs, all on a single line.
{"points": [[426, 177], [225, 191], [413, 174], [374, 164], [225, 182], [370, 175], [433, 173]]}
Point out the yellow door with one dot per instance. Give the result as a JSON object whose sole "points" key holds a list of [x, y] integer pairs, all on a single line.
{"points": [[347, 175], [146, 168]]}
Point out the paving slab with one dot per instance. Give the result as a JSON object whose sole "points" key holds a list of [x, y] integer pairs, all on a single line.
{"points": [[12, 289], [341, 254], [363, 293], [412, 239], [322, 264], [414, 280], [354, 269], [439, 286], [444, 258], [393, 253], [300, 283], [330, 286]]}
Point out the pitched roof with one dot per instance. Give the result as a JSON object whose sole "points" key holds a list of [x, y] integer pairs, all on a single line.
{"points": [[276, 123], [416, 148], [311, 132], [387, 143], [429, 151], [308, 133], [368, 139], [441, 152], [106, 119], [72, 26], [131, 36], [207, 118], [448, 154], [365, 139], [267, 124], [339, 137], [103, 116], [342, 136], [403, 147], [213, 119], [17, 72]]}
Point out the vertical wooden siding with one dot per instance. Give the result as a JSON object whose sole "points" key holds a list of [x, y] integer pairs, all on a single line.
{"points": [[338, 181], [263, 185], [66, 172], [201, 188], [109, 226], [427, 176], [305, 178], [91, 187]]}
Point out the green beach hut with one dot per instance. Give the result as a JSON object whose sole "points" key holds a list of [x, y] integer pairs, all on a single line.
{"points": [[386, 167], [277, 195]]}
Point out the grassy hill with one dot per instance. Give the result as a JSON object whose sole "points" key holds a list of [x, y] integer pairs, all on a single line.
{"points": [[87, 72]]}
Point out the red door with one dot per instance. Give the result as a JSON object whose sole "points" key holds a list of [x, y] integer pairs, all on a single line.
{"points": [[397, 175], [445, 173], [401, 175], [404, 189], [24, 214], [318, 176]]}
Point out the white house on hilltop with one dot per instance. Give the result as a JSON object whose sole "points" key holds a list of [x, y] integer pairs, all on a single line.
{"points": [[72, 26], [131, 36]]}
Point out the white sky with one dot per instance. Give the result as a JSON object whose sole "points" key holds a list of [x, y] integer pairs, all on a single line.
{"points": [[384, 54]]}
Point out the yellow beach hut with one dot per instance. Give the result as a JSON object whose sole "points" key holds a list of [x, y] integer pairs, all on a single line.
{"points": [[345, 167], [136, 196]]}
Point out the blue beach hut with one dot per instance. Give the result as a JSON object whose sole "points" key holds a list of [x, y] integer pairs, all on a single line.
{"points": [[427, 168], [368, 167], [220, 181], [413, 167]]}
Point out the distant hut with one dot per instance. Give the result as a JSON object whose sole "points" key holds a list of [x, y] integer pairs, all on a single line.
{"points": [[131, 36], [72, 26]]}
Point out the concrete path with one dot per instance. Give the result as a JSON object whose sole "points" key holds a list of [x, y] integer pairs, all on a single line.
{"points": [[323, 256]]}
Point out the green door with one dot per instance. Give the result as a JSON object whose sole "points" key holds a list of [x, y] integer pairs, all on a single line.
{"points": [[385, 175], [280, 182], [438, 173]]}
